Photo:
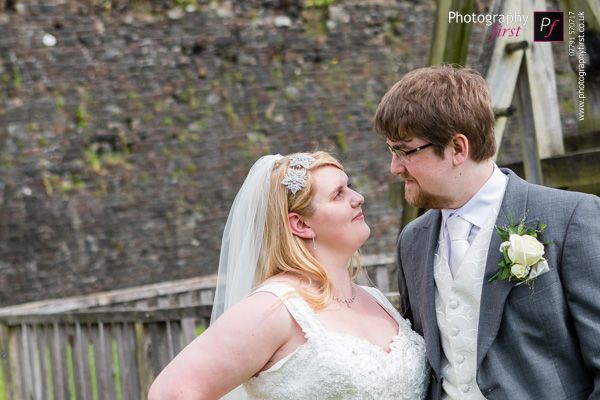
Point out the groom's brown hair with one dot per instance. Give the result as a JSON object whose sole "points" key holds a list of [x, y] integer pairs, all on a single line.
{"points": [[434, 104]]}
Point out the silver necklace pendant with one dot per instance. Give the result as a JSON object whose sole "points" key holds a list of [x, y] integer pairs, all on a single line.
{"points": [[347, 301]]}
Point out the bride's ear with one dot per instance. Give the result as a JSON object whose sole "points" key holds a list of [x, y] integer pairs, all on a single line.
{"points": [[299, 227]]}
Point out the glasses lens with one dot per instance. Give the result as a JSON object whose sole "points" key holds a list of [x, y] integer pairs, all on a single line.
{"points": [[399, 153]]}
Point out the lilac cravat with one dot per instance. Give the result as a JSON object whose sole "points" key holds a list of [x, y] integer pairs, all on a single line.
{"points": [[458, 230]]}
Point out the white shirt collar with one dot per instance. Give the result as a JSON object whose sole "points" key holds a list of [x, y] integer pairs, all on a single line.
{"points": [[481, 204]]}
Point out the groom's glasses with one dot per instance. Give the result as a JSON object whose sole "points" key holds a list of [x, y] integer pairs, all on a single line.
{"points": [[404, 155]]}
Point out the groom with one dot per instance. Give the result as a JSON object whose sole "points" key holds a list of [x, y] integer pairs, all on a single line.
{"points": [[492, 339]]}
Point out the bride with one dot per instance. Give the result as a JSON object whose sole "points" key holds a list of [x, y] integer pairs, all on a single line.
{"points": [[288, 322]]}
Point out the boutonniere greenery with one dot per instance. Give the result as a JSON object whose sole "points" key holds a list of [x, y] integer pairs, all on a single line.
{"points": [[523, 253]]}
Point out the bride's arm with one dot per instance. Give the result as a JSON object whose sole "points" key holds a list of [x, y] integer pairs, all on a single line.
{"points": [[233, 349]]}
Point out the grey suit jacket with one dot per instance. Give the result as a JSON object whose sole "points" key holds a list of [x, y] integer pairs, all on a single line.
{"points": [[541, 342]]}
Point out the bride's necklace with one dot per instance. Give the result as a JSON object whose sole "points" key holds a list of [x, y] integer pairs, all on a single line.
{"points": [[347, 301]]}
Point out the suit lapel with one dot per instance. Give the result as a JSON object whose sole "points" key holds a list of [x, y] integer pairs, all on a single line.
{"points": [[495, 293], [428, 236]]}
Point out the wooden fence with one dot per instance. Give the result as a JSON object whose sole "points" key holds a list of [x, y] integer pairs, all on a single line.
{"points": [[104, 346], [111, 345], [95, 354]]}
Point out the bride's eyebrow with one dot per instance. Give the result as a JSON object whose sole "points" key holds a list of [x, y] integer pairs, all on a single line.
{"points": [[339, 188], [336, 190]]}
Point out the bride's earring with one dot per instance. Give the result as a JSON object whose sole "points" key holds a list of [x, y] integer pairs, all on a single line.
{"points": [[314, 244]]}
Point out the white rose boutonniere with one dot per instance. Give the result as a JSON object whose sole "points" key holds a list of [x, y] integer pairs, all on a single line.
{"points": [[523, 253]]}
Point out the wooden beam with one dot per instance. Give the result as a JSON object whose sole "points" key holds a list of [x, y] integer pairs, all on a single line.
{"points": [[501, 67], [112, 297], [569, 171], [582, 141], [108, 317], [542, 88], [450, 43]]}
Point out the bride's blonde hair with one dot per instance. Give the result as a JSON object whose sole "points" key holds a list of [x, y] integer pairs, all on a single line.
{"points": [[283, 251]]}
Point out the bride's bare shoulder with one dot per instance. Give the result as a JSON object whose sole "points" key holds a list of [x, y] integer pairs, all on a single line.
{"points": [[287, 279]]}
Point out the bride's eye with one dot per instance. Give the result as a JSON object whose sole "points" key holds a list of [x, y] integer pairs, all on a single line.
{"points": [[338, 194]]}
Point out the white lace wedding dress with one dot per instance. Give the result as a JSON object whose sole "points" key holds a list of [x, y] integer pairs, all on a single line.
{"points": [[337, 365]]}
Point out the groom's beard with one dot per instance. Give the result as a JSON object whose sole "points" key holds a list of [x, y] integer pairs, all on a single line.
{"points": [[417, 197]]}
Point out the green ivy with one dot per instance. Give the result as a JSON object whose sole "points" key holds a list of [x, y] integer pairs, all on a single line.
{"points": [[81, 116], [319, 3]]}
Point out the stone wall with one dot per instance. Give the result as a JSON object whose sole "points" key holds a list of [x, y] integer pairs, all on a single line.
{"points": [[126, 127]]}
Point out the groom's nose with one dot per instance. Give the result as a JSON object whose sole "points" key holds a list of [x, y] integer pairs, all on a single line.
{"points": [[397, 167]]}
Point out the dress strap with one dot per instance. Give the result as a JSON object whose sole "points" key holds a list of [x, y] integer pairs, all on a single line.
{"points": [[385, 303], [296, 306]]}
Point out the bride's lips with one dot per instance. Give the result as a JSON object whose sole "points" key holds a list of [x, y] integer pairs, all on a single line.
{"points": [[359, 216]]}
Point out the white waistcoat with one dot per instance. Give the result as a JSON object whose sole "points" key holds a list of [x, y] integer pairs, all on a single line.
{"points": [[457, 306]]}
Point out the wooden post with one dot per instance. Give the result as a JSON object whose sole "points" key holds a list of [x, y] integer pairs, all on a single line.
{"points": [[161, 347], [397, 200], [44, 346], [104, 361], [31, 362], [26, 365], [38, 361], [531, 160], [16, 370], [143, 349], [82, 363], [10, 367], [125, 338], [58, 361], [187, 324]]}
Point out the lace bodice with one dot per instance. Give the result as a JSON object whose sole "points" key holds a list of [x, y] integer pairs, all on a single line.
{"points": [[337, 365]]}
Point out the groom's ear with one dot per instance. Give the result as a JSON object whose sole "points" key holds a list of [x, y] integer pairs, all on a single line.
{"points": [[299, 227], [460, 148]]}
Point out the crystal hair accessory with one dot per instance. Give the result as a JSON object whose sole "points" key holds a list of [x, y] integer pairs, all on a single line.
{"points": [[301, 160], [295, 177]]}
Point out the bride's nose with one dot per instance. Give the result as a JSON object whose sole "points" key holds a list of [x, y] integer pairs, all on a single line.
{"points": [[357, 200]]}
